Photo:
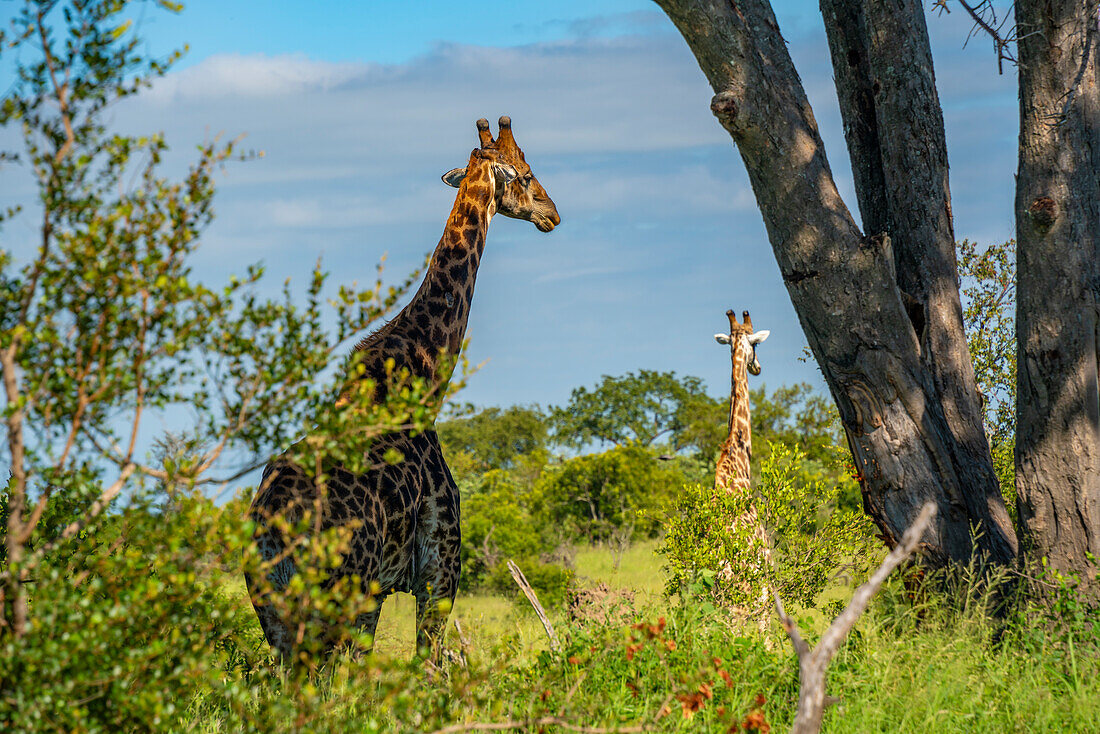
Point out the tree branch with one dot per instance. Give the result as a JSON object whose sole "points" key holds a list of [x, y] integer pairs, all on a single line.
{"points": [[812, 664], [102, 503], [60, 91], [521, 581], [1000, 43]]}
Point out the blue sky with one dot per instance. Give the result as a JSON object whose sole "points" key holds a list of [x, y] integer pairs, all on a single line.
{"points": [[360, 106]]}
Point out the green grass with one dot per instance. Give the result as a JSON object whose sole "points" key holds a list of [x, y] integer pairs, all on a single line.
{"points": [[898, 673], [950, 675], [486, 621], [944, 666], [489, 620], [638, 571]]}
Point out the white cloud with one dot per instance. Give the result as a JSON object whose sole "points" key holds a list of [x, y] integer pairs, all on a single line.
{"points": [[253, 75], [659, 234]]}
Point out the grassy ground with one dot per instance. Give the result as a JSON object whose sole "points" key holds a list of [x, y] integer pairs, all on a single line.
{"points": [[941, 667], [490, 620]]}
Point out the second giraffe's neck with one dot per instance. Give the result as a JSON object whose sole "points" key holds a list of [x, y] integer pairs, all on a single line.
{"points": [[733, 471]]}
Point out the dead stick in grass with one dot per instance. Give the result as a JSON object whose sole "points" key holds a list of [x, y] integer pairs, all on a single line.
{"points": [[812, 664], [525, 587], [463, 644]]}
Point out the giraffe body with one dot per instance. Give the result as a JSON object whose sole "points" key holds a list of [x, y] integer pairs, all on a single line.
{"points": [[407, 536]]}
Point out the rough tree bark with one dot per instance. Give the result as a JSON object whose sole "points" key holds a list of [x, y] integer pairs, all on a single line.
{"points": [[1058, 274], [880, 312]]}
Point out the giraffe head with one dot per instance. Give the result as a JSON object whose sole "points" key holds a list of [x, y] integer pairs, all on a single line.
{"points": [[519, 194], [743, 340]]}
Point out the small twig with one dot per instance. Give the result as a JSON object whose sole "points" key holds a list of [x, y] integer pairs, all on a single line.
{"points": [[525, 587], [463, 644], [813, 663], [1000, 43]]}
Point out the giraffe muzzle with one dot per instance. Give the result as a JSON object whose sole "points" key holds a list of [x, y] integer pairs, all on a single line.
{"points": [[546, 223]]}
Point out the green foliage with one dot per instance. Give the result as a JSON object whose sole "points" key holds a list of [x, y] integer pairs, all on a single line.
{"points": [[792, 416], [710, 547], [989, 317], [797, 415], [497, 525], [108, 607], [594, 494], [128, 625], [495, 437], [635, 408]]}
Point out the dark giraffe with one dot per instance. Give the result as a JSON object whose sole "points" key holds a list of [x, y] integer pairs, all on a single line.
{"points": [[408, 537]]}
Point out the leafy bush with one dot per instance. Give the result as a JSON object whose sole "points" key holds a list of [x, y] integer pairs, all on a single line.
{"points": [[494, 438], [595, 494], [127, 625], [496, 526], [708, 546], [988, 293]]}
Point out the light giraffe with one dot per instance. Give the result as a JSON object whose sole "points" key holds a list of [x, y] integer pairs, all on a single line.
{"points": [[732, 474], [408, 536]]}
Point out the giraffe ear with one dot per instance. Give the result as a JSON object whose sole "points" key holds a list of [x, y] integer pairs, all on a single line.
{"points": [[454, 177], [758, 337], [504, 173], [722, 338]]}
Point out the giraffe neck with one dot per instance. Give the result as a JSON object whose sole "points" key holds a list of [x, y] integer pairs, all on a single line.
{"points": [[734, 461], [435, 319]]}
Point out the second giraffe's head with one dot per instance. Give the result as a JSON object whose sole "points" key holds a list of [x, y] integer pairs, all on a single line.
{"points": [[519, 194], [743, 340]]}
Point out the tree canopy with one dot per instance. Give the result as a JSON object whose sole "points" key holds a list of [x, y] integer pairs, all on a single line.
{"points": [[643, 408]]}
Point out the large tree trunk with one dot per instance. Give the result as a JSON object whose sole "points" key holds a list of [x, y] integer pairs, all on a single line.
{"points": [[881, 312], [1058, 266]]}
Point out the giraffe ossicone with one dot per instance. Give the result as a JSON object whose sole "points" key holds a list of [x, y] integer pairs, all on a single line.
{"points": [[404, 517]]}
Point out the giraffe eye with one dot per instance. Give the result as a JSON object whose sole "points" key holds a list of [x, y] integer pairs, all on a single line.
{"points": [[527, 180]]}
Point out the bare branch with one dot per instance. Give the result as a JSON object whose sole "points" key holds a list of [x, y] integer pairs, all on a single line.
{"points": [[521, 581], [812, 664], [1001, 43], [840, 627], [61, 91], [791, 628]]}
